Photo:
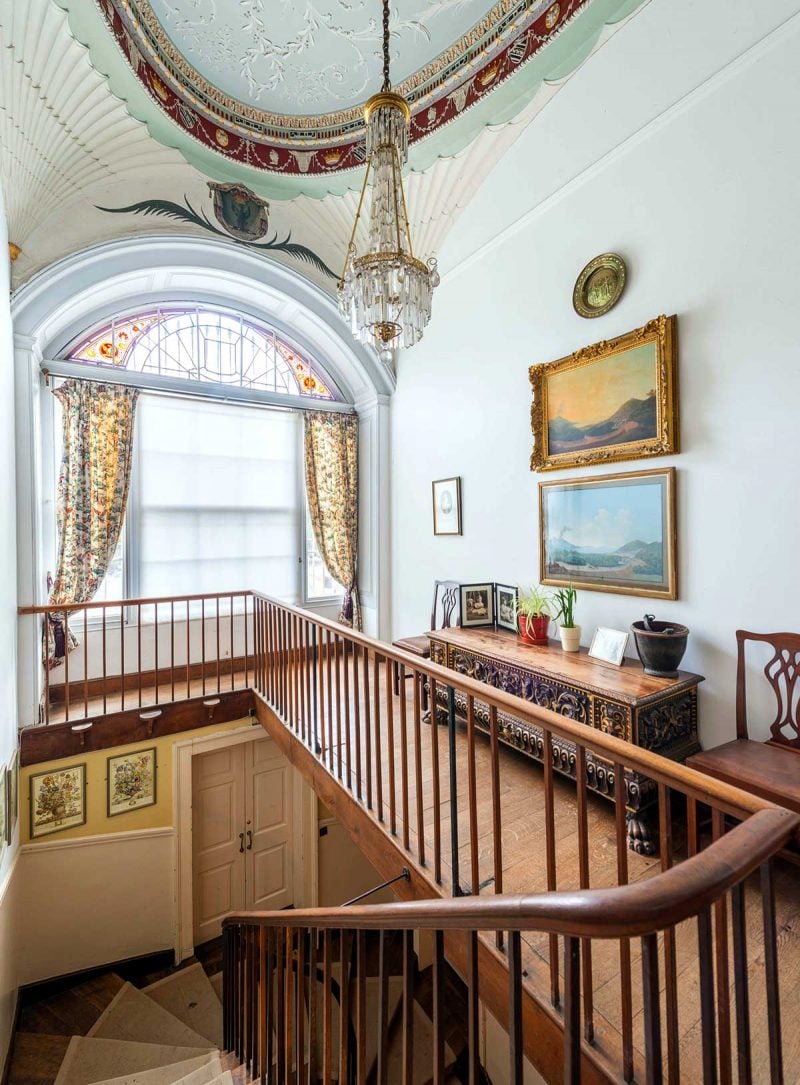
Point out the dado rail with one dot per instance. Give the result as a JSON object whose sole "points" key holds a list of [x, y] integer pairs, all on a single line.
{"points": [[600, 964]]}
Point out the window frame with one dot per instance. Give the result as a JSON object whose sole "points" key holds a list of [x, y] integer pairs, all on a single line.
{"points": [[64, 368]]}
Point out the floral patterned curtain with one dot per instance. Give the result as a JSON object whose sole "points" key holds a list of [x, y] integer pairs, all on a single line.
{"points": [[331, 462], [92, 494]]}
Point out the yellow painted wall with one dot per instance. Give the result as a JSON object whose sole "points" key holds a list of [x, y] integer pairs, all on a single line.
{"points": [[97, 823]]}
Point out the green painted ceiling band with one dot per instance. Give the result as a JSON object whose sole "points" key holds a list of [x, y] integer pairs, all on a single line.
{"points": [[562, 56]]}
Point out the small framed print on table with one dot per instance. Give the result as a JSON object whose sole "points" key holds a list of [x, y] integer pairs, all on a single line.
{"points": [[477, 604], [505, 606], [608, 645], [447, 506]]}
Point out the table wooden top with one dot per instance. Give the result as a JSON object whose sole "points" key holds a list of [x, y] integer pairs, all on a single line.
{"points": [[627, 683]]}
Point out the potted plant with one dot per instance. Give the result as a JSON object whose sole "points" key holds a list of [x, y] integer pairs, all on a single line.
{"points": [[534, 610], [569, 631]]}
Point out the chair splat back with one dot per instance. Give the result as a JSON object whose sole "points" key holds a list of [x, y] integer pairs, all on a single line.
{"points": [[445, 604], [783, 674]]}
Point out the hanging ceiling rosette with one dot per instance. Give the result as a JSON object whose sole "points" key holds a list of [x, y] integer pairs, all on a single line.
{"points": [[277, 86]]}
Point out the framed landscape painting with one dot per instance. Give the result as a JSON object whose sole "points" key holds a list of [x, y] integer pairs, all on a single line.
{"points": [[612, 533], [615, 400]]}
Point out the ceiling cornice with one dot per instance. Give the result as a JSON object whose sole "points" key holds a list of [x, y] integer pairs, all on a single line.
{"points": [[492, 93]]}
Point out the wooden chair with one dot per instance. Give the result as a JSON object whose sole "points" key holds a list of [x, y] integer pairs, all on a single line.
{"points": [[769, 769], [445, 607]]}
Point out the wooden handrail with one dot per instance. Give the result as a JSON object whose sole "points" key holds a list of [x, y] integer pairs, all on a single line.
{"points": [[619, 912], [691, 782], [56, 608]]}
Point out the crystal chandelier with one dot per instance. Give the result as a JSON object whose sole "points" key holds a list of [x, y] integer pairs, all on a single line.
{"points": [[385, 293]]}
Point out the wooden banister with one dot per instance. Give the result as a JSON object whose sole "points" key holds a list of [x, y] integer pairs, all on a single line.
{"points": [[58, 608], [644, 907]]}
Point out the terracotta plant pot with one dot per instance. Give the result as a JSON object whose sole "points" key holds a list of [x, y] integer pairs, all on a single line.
{"points": [[570, 638], [533, 630]]}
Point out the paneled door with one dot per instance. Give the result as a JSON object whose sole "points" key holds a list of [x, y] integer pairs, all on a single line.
{"points": [[241, 833]]}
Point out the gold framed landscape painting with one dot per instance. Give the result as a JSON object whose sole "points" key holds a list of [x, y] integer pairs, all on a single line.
{"points": [[58, 800], [614, 400], [613, 533]]}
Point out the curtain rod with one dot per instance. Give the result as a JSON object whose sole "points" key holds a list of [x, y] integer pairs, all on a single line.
{"points": [[328, 406]]}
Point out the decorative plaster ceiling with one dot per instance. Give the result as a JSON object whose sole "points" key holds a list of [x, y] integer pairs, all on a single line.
{"points": [[278, 86], [78, 132]]}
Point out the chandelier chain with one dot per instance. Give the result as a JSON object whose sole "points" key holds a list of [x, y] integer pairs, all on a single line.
{"points": [[386, 81]]}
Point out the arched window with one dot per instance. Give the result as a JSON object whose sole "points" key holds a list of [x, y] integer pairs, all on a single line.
{"points": [[202, 344]]}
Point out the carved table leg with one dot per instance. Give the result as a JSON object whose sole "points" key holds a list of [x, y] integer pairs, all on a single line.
{"points": [[641, 831]]}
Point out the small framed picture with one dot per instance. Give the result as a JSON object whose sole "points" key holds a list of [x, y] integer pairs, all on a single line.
{"points": [[58, 800], [5, 835], [447, 506], [12, 793], [505, 606], [131, 781], [609, 645], [477, 604]]}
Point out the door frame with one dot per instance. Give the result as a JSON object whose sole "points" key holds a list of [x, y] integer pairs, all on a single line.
{"points": [[305, 859]]}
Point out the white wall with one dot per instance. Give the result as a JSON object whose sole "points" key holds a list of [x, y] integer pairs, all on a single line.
{"points": [[8, 631], [676, 146]]}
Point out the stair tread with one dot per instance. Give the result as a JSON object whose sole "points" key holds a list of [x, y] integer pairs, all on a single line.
{"points": [[189, 996], [175, 1072], [216, 983], [134, 1016], [36, 1058], [91, 1059]]}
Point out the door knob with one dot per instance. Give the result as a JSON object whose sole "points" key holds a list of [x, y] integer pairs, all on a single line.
{"points": [[249, 839], [241, 843]]}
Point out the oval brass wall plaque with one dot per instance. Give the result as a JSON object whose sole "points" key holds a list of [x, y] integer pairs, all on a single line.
{"points": [[599, 286]]}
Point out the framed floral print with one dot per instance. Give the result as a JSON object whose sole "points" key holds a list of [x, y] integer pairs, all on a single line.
{"points": [[131, 781], [612, 533], [58, 800], [615, 400]]}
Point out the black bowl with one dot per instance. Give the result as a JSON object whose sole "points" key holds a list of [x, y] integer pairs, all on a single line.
{"points": [[660, 652]]}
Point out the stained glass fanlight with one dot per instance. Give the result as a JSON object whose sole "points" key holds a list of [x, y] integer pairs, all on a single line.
{"points": [[386, 292], [206, 345]]}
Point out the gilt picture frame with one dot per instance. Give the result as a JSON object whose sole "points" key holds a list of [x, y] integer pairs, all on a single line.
{"points": [[615, 400], [612, 533]]}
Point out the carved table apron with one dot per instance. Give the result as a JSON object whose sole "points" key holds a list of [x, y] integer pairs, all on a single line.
{"points": [[657, 714]]}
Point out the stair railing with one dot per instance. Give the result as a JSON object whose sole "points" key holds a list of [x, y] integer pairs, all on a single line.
{"points": [[327, 696], [281, 1024]]}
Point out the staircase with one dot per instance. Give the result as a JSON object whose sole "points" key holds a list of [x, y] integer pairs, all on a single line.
{"points": [[108, 1031]]}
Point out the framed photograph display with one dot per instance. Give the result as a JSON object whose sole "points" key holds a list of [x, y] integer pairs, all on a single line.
{"points": [[505, 606], [612, 533], [58, 800], [447, 506], [131, 781], [608, 645], [477, 604], [615, 400]]}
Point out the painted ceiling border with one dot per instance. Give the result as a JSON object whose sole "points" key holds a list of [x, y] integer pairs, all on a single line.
{"points": [[565, 52]]}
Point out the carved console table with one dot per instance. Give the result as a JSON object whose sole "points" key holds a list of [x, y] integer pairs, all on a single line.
{"points": [[658, 714]]}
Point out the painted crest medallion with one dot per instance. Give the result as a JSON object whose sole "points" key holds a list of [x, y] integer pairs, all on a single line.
{"points": [[239, 211]]}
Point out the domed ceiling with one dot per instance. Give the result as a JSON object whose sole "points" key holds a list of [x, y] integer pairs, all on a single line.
{"points": [[278, 84]]}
